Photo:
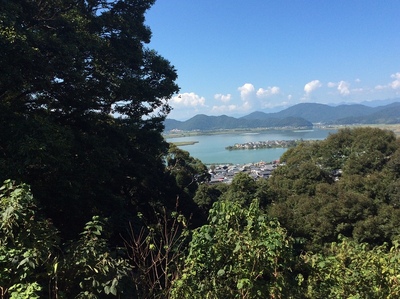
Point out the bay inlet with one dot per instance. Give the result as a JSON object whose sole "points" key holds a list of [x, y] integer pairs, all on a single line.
{"points": [[211, 149]]}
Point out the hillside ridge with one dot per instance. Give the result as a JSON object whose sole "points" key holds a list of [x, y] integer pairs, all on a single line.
{"points": [[302, 115]]}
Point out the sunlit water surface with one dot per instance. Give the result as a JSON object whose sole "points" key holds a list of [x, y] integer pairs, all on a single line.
{"points": [[210, 149]]}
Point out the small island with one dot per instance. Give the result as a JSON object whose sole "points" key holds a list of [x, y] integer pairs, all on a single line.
{"points": [[264, 144]]}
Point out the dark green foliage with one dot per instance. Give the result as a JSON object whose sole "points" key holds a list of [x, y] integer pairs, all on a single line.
{"points": [[35, 264], [188, 171], [185, 174], [242, 189], [353, 270], [72, 57], [240, 253], [359, 150], [300, 173], [27, 244], [393, 165], [342, 185], [206, 195], [89, 268], [82, 101]]}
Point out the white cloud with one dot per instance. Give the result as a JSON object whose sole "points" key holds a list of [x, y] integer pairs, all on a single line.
{"points": [[380, 87], [223, 98], [311, 86], [289, 97], [248, 95], [332, 84], [343, 87], [357, 80], [261, 92], [246, 90], [222, 109], [188, 99], [396, 83]]}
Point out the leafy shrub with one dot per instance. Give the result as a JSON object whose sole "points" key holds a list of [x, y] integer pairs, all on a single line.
{"points": [[239, 254]]}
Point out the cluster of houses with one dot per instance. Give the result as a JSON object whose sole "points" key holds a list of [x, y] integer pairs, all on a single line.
{"points": [[263, 144], [225, 173]]}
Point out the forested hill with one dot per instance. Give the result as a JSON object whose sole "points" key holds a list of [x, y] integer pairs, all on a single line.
{"points": [[300, 115], [388, 115], [344, 114], [204, 122]]}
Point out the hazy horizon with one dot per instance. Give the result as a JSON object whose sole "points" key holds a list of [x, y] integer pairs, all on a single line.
{"points": [[374, 103]]}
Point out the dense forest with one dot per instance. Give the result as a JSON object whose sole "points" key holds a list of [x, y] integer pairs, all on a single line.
{"points": [[94, 203]]}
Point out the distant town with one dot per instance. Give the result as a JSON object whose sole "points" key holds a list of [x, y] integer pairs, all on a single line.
{"points": [[264, 144], [224, 173]]}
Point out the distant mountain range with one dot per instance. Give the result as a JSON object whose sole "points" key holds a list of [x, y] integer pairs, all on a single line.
{"points": [[302, 115]]}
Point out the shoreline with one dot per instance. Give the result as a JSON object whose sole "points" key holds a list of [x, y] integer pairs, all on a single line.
{"points": [[184, 143], [395, 128], [229, 131]]}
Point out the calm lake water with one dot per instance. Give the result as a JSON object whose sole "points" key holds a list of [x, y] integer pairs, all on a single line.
{"points": [[210, 149]]}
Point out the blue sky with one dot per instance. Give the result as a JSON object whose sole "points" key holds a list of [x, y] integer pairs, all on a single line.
{"points": [[234, 57]]}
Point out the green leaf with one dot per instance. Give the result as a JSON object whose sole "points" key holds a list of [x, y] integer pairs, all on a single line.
{"points": [[208, 237], [237, 248], [107, 289], [113, 290]]}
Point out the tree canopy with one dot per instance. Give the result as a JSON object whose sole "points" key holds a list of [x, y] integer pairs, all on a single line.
{"points": [[71, 58], [82, 100], [345, 185]]}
